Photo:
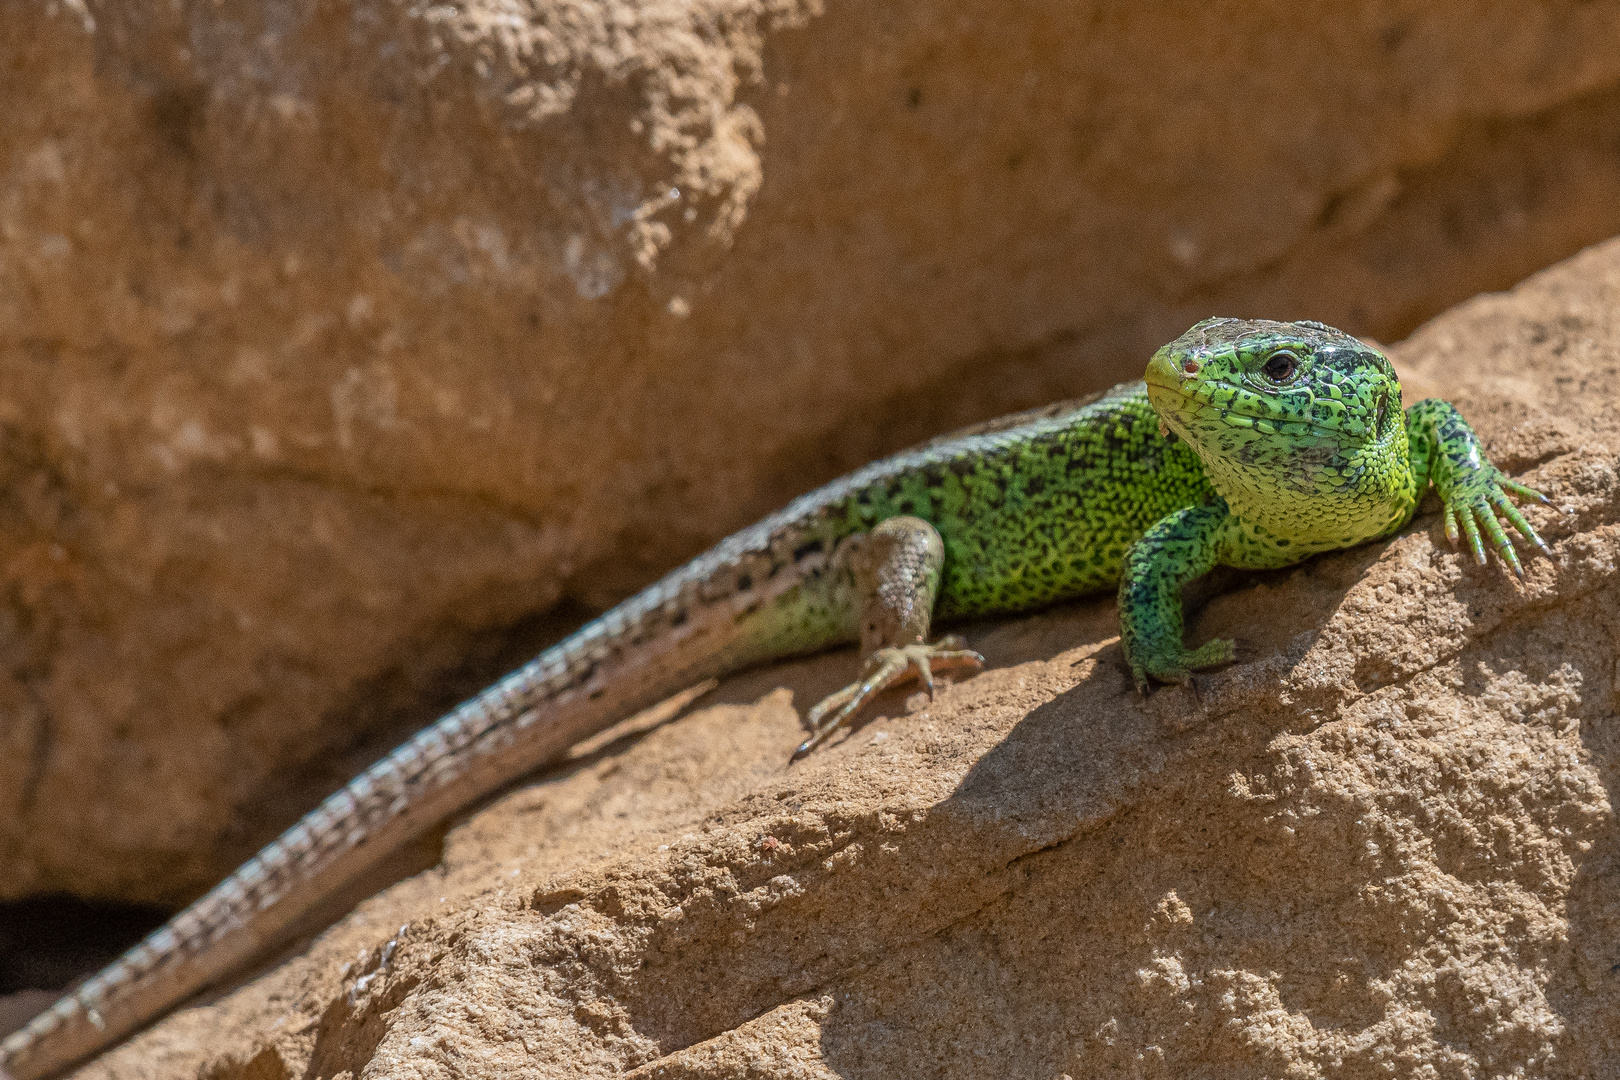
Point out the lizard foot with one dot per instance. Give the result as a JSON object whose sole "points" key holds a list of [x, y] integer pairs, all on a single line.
{"points": [[884, 668], [1478, 504], [1179, 665]]}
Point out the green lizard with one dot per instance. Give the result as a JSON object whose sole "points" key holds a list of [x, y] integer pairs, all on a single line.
{"points": [[1250, 444]]}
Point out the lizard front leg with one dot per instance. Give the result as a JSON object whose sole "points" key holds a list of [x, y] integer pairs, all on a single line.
{"points": [[1178, 548], [895, 570]]}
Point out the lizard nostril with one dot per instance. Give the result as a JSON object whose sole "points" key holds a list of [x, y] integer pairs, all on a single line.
{"points": [[1190, 366]]}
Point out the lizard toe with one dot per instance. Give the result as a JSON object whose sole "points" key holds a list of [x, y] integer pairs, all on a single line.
{"points": [[884, 668]]}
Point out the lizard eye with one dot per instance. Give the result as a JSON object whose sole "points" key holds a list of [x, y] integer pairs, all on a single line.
{"points": [[1280, 367]]}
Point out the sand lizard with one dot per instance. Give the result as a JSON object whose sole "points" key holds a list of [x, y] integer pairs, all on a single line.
{"points": [[1250, 443]]}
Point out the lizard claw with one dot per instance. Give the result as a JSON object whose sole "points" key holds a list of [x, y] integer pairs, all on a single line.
{"points": [[883, 669], [1178, 667], [1482, 506]]}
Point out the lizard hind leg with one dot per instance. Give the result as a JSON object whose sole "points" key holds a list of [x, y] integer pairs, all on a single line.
{"points": [[895, 570]]}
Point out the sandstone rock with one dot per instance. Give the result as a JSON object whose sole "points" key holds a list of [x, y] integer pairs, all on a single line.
{"points": [[344, 340], [1384, 847]]}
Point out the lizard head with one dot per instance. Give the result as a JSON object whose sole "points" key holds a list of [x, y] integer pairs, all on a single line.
{"points": [[1298, 425]]}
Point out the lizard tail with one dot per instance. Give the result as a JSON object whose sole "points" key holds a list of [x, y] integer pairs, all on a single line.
{"points": [[633, 656]]}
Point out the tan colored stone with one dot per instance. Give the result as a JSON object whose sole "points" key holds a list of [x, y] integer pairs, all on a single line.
{"points": [[343, 338], [1383, 847]]}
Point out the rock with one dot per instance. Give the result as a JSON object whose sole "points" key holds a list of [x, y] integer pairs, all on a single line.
{"points": [[345, 341], [1383, 847]]}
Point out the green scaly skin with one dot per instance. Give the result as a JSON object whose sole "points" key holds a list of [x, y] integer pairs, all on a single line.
{"points": [[1252, 444]]}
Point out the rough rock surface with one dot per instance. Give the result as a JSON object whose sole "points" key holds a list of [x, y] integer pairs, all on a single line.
{"points": [[344, 337], [1384, 847]]}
